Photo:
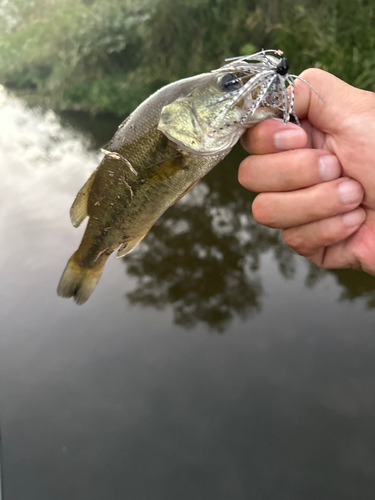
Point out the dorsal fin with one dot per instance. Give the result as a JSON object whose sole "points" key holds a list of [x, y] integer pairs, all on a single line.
{"points": [[78, 211]]}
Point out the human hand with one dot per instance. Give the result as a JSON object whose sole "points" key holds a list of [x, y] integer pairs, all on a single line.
{"points": [[317, 183]]}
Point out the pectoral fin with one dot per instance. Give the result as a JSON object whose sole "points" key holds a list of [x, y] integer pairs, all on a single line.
{"points": [[78, 211], [162, 170]]}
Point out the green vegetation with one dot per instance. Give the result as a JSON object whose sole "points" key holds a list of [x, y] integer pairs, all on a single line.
{"points": [[108, 55]]}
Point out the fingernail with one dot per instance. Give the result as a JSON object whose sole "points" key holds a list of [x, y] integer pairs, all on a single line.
{"points": [[354, 218], [329, 167], [287, 139], [350, 192]]}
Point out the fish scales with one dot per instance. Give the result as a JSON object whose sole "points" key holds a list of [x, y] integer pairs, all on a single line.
{"points": [[156, 187]]}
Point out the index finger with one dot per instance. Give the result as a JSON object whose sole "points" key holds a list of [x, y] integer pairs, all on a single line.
{"points": [[273, 136]]}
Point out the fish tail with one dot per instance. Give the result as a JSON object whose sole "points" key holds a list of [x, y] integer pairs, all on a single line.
{"points": [[79, 281]]}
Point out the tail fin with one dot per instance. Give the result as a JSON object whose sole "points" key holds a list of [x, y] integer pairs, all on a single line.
{"points": [[78, 281]]}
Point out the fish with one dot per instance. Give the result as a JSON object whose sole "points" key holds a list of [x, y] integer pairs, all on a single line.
{"points": [[161, 151]]}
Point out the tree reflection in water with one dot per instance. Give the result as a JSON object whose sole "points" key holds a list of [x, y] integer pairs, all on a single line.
{"points": [[352, 284], [202, 256]]}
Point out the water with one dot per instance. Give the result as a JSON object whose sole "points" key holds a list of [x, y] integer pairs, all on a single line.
{"points": [[212, 363]]}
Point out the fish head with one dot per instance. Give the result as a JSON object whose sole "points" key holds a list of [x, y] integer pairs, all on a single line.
{"points": [[211, 119]]}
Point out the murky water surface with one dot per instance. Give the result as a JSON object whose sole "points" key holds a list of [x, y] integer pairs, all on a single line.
{"points": [[211, 363]]}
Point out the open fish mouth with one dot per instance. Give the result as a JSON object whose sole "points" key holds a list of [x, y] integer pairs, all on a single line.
{"points": [[268, 76]]}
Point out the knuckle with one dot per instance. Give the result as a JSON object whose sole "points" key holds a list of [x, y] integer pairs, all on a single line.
{"points": [[290, 239], [305, 162], [244, 173], [311, 74], [263, 212], [323, 201], [303, 155], [293, 239], [310, 157], [257, 138]]}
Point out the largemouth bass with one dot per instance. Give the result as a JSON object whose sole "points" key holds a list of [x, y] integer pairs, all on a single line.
{"points": [[160, 152]]}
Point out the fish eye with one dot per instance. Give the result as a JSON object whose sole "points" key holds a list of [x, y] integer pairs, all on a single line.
{"points": [[282, 67], [230, 82]]}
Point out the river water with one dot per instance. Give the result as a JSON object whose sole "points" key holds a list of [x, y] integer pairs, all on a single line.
{"points": [[211, 363]]}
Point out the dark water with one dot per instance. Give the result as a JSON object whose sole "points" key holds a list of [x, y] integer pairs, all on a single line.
{"points": [[212, 363]]}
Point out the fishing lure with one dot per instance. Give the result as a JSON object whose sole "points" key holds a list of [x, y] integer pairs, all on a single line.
{"points": [[268, 78]]}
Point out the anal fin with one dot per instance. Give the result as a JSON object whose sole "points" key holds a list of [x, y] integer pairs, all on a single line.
{"points": [[78, 211], [129, 246], [187, 190]]}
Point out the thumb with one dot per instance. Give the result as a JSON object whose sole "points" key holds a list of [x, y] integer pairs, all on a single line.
{"points": [[341, 100]]}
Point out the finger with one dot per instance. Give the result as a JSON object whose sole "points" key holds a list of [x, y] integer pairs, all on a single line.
{"points": [[272, 136], [288, 171], [329, 116], [309, 239], [294, 208], [352, 252], [316, 139]]}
